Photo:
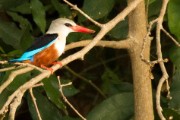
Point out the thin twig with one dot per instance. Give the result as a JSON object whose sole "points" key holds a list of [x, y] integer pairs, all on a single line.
{"points": [[7, 68], [85, 80], [3, 62], [35, 104], [158, 94], [165, 76], [37, 85], [65, 99], [21, 90], [99, 64], [30, 65], [84, 14], [170, 36], [13, 75], [147, 37], [19, 66]]}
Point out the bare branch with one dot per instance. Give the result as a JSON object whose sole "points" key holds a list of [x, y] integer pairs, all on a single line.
{"points": [[122, 44], [3, 62], [35, 104], [65, 99], [160, 59], [86, 80], [13, 106], [23, 88], [13, 75], [19, 66], [174, 40], [84, 14], [37, 85], [7, 68], [146, 38], [29, 65]]}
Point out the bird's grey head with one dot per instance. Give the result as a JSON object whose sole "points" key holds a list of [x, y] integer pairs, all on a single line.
{"points": [[61, 26]]}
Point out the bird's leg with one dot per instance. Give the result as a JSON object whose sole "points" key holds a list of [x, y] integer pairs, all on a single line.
{"points": [[47, 68]]}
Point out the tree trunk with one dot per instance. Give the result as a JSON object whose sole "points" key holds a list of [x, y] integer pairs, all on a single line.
{"points": [[141, 70]]}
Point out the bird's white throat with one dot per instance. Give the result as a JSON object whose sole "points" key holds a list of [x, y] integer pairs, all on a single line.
{"points": [[60, 45]]}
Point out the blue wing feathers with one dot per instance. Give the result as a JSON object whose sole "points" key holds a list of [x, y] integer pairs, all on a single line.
{"points": [[39, 45]]}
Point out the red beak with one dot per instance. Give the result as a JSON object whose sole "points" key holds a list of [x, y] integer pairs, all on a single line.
{"points": [[78, 28]]}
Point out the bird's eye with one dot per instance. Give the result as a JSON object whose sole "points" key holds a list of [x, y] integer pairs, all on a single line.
{"points": [[68, 24]]}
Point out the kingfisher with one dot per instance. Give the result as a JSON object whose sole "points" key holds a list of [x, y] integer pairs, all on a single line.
{"points": [[46, 49]]}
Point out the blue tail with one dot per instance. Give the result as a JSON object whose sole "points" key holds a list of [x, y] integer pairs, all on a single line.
{"points": [[21, 59]]}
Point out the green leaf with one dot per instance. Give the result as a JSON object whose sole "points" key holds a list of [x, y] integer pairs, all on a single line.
{"points": [[174, 17], [19, 80], [175, 91], [23, 37], [38, 12], [70, 118], [110, 75], [15, 53], [47, 110], [62, 9], [1, 50], [175, 56], [110, 79], [97, 8], [21, 20], [26, 38], [23, 8], [10, 34], [154, 9], [121, 87], [4, 96], [120, 31], [117, 107], [150, 1], [7, 4], [170, 112], [52, 91], [69, 90], [74, 37]]}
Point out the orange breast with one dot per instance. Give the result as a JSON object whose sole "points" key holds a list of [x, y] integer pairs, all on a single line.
{"points": [[46, 57]]}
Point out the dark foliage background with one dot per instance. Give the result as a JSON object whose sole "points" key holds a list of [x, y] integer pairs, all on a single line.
{"points": [[110, 70]]}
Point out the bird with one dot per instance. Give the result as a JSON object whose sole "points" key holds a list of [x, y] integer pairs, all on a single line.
{"points": [[46, 49]]}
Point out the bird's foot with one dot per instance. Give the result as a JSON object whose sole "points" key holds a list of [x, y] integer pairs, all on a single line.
{"points": [[57, 62], [47, 68]]}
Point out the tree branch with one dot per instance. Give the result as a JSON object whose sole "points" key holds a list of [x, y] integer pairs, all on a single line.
{"points": [[84, 14], [123, 44], [13, 75], [86, 80], [13, 106], [35, 104], [174, 40], [65, 99], [160, 59]]}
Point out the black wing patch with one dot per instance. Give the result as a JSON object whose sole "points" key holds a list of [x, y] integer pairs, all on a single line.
{"points": [[42, 41]]}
